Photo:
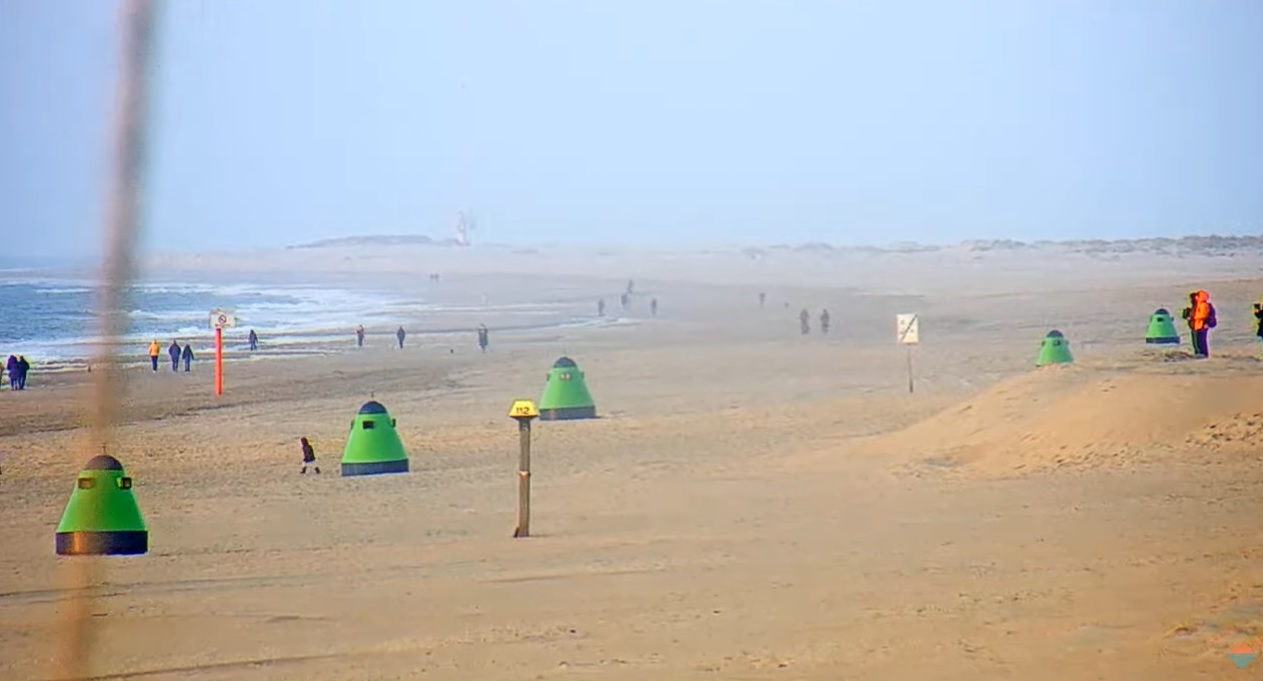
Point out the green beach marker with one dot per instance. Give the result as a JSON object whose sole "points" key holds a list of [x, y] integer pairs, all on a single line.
{"points": [[566, 396], [101, 517], [1054, 349], [373, 446], [1162, 329]]}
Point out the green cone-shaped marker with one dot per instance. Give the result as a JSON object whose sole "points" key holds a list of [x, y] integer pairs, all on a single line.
{"points": [[102, 518], [566, 396], [373, 446], [1054, 349], [1162, 329]]}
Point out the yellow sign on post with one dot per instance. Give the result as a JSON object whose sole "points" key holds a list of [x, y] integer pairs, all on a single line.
{"points": [[523, 409]]}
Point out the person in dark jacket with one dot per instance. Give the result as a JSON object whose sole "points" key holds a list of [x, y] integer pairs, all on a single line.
{"points": [[187, 356], [401, 334], [254, 340], [804, 321], [483, 337], [824, 321], [174, 353], [24, 367], [12, 366], [1258, 314], [309, 456]]}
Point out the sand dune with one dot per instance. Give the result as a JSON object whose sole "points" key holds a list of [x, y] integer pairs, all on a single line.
{"points": [[1077, 416]]}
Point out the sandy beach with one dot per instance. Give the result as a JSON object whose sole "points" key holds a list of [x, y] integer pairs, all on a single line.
{"points": [[751, 503]]}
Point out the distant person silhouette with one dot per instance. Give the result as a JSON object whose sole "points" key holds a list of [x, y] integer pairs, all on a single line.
{"points": [[804, 321], [309, 457], [625, 299], [600, 308], [762, 299], [359, 336], [401, 334], [1258, 314], [187, 356], [824, 321], [254, 340], [154, 349], [24, 368], [12, 366], [482, 337], [653, 307], [174, 352]]}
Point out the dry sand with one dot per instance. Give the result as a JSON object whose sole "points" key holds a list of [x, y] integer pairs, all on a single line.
{"points": [[751, 505]]}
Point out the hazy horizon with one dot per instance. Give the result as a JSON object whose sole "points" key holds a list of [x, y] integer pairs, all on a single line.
{"points": [[678, 125]]}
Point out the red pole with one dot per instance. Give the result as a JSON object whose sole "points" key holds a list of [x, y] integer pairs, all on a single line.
{"points": [[219, 361]]}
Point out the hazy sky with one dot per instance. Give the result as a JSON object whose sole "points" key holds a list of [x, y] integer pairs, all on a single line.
{"points": [[647, 121]]}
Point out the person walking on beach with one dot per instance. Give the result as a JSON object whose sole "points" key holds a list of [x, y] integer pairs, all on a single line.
{"points": [[400, 334], [173, 351], [804, 321], [762, 299], [653, 307], [1201, 319], [309, 457], [187, 356], [254, 340], [12, 366], [359, 336], [600, 308], [824, 322], [1258, 314], [24, 368], [482, 337], [154, 349]]}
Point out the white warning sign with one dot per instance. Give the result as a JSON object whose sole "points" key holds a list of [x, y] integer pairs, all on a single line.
{"points": [[222, 319], [907, 329]]}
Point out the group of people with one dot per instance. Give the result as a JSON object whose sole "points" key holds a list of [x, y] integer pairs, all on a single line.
{"points": [[804, 320], [484, 336], [18, 368], [175, 352], [625, 300], [1201, 317]]}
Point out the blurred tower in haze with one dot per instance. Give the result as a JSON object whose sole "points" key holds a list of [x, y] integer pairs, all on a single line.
{"points": [[465, 223]]}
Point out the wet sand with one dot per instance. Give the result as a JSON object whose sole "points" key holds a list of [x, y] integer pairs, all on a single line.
{"points": [[752, 504]]}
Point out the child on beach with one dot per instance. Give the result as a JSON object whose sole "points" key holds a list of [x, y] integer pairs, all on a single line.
{"points": [[309, 456]]}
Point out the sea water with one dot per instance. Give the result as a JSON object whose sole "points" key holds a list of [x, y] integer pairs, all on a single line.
{"points": [[49, 317]]}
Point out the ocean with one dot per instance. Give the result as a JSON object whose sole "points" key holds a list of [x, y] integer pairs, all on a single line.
{"points": [[49, 318]]}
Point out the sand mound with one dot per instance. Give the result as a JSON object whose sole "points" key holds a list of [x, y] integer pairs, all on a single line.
{"points": [[1236, 431], [1071, 417]]}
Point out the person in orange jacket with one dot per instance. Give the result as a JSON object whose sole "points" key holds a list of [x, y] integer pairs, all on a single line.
{"points": [[154, 349], [1201, 319]]}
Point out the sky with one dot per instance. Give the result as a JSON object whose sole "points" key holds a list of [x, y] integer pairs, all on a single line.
{"points": [[645, 122]]}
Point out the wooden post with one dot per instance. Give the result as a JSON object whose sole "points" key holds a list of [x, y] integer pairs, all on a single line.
{"points": [[219, 360], [524, 480], [909, 369], [523, 411]]}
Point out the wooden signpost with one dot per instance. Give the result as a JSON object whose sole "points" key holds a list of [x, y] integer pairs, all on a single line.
{"points": [[523, 411], [907, 333]]}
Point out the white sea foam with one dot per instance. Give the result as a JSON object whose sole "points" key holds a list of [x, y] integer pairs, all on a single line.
{"points": [[285, 316]]}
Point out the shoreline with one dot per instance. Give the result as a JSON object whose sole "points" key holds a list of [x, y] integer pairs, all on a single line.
{"points": [[303, 344], [301, 315]]}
